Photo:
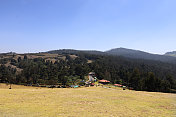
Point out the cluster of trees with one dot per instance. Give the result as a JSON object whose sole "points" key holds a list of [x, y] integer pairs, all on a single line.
{"points": [[40, 71], [138, 74], [7, 74]]}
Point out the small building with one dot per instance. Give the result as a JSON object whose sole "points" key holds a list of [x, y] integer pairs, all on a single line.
{"points": [[104, 81], [118, 85], [91, 76], [91, 79]]}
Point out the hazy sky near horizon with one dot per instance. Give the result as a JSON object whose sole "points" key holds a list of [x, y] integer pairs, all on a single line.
{"points": [[42, 25]]}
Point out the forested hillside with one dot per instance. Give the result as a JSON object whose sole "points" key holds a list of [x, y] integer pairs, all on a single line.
{"points": [[137, 54], [68, 67], [171, 53]]}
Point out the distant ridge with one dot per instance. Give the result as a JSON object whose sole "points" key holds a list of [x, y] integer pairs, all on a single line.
{"points": [[173, 53], [124, 52], [137, 54], [72, 51]]}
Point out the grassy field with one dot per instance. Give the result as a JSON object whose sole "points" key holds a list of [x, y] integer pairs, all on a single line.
{"points": [[21, 101]]}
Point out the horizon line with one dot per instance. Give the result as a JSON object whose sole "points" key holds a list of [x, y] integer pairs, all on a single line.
{"points": [[81, 50]]}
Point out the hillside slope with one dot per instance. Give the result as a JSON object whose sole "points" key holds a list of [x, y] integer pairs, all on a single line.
{"points": [[129, 53], [171, 54], [136, 54]]}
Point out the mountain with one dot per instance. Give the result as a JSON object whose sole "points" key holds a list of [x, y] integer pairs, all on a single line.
{"points": [[124, 52], [171, 54], [136, 54], [72, 51], [86, 53]]}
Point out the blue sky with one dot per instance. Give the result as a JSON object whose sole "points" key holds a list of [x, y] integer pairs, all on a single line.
{"points": [[42, 25]]}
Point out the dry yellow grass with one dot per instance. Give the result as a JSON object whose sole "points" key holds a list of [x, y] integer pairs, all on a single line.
{"points": [[83, 102], [6, 86]]}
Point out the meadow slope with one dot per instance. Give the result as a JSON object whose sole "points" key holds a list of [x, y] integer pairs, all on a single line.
{"points": [[23, 101]]}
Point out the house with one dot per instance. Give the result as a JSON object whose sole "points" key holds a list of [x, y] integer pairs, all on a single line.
{"points": [[91, 76], [91, 79], [104, 81], [118, 85]]}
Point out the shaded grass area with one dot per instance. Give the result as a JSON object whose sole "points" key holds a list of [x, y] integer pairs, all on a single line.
{"points": [[84, 102]]}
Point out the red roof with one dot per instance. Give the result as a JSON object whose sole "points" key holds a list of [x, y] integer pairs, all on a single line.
{"points": [[118, 85], [92, 84], [104, 81]]}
